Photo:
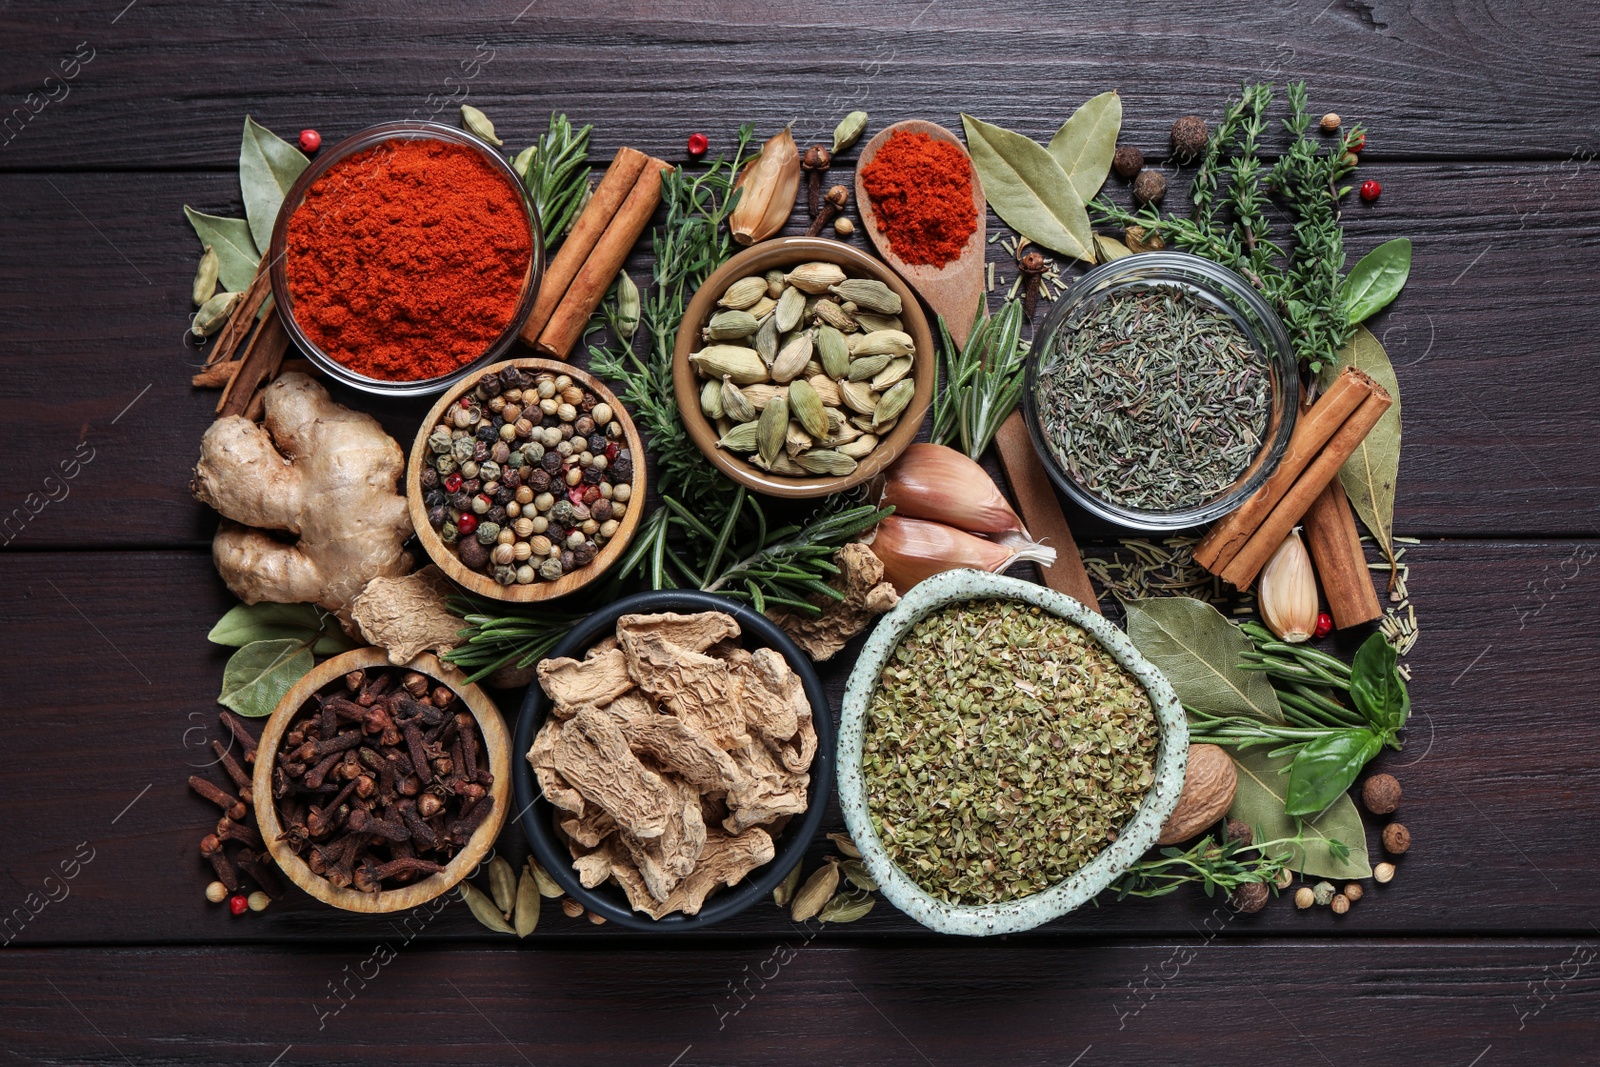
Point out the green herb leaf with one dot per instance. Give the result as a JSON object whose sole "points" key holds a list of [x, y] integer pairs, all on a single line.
{"points": [[1323, 769], [1376, 280], [1199, 651], [259, 674], [245, 623], [1260, 799], [236, 250], [1028, 189], [1086, 142], [1368, 476], [268, 166], [1376, 687]]}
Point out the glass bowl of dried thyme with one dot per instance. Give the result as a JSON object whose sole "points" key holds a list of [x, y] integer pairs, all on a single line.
{"points": [[1005, 754], [1161, 392]]}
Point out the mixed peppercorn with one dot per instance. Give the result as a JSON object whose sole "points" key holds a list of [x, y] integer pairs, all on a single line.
{"points": [[528, 476]]}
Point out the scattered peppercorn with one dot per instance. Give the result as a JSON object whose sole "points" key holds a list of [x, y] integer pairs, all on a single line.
{"points": [[1323, 891], [1150, 187], [1238, 830], [1249, 898], [1381, 793], [310, 140], [258, 901], [1370, 190], [843, 226], [1358, 143], [238, 904], [1324, 625], [698, 143], [1340, 904], [1330, 122], [1304, 897], [1285, 879], [1128, 161], [1189, 136], [216, 892], [1383, 873], [1396, 839], [1353, 891], [1349, 159]]}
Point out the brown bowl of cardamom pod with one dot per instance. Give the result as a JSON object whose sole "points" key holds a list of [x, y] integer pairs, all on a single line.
{"points": [[803, 367]]}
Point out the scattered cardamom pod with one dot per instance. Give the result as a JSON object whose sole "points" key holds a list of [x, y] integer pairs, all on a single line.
{"points": [[213, 313], [502, 884], [870, 293], [897, 369], [826, 461], [858, 448], [523, 162], [844, 844], [807, 408], [856, 873], [885, 342], [858, 397], [783, 892], [711, 399], [526, 915], [847, 907], [483, 909], [740, 438], [743, 365], [792, 359], [815, 278], [205, 277], [816, 892], [772, 428], [736, 404], [730, 325], [627, 306], [477, 123], [849, 131], [743, 293], [548, 887], [892, 403], [834, 350], [865, 368]]}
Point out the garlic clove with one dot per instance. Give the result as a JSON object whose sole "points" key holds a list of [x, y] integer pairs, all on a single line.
{"points": [[942, 484], [1287, 591], [769, 183], [914, 549]]}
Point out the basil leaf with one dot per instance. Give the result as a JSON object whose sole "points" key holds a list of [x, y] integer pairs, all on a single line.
{"points": [[268, 166], [237, 256], [1199, 651], [1028, 189], [1323, 769], [1086, 142], [259, 674], [1376, 687], [1368, 476], [1334, 842], [1376, 280]]}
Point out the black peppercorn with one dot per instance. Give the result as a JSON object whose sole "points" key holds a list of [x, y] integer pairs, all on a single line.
{"points": [[511, 479], [437, 515], [504, 496], [511, 378], [539, 480], [471, 485], [429, 478], [552, 462], [461, 501], [1128, 161], [600, 510], [596, 443], [473, 555], [490, 385], [556, 532], [583, 426], [549, 421], [1150, 187], [1189, 135], [621, 468], [592, 475], [435, 498], [568, 560], [584, 553], [588, 402], [496, 515]]}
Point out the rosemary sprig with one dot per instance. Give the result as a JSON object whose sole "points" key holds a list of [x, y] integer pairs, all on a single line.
{"points": [[1211, 864], [556, 176], [509, 639], [981, 382]]}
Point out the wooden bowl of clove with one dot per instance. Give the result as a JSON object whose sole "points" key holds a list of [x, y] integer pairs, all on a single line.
{"points": [[367, 830]]}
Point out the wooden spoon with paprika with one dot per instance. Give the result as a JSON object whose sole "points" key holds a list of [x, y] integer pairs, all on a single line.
{"points": [[954, 289]]}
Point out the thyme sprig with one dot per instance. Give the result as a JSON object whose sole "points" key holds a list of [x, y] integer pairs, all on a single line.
{"points": [[1216, 866]]}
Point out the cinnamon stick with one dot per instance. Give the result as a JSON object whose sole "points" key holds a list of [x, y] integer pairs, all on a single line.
{"points": [[1335, 546], [571, 316], [1036, 498], [1312, 481], [258, 365], [243, 318], [1311, 432], [215, 375], [620, 178]]}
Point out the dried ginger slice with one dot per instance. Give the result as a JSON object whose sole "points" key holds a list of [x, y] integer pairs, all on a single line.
{"points": [[776, 791], [725, 860], [592, 754], [697, 688], [633, 706], [866, 596], [696, 632], [593, 867], [671, 745], [591, 828], [570, 683], [664, 861], [543, 757]]}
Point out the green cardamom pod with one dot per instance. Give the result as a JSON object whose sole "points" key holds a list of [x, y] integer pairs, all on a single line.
{"points": [[844, 844], [781, 464], [807, 408], [763, 308], [477, 123], [735, 404], [502, 884], [826, 461], [847, 907], [892, 403], [772, 429], [744, 365], [205, 276], [897, 369], [523, 163], [549, 888], [834, 352], [526, 916], [761, 395], [774, 283], [743, 293], [865, 368], [892, 342], [790, 307], [783, 892], [869, 293], [796, 440], [730, 326], [826, 388], [213, 313], [742, 438], [834, 315], [815, 278], [858, 397], [711, 399], [792, 359], [873, 322], [856, 873], [767, 339], [859, 448], [849, 131], [816, 892], [483, 909], [627, 306]]}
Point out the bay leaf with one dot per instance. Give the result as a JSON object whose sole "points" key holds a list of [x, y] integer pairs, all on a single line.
{"points": [[259, 674], [1086, 142], [1108, 248], [1368, 476], [236, 250], [1259, 801], [1199, 651], [265, 621], [1376, 280], [268, 166], [1028, 189]]}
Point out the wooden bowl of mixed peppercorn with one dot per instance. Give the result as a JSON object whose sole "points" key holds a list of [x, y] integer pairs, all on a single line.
{"points": [[527, 481], [378, 788]]}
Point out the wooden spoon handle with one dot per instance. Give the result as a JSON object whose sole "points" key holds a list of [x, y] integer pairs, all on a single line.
{"points": [[1036, 497]]}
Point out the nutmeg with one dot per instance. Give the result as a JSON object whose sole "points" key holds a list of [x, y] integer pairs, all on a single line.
{"points": [[1208, 787], [1381, 793], [1396, 839]]}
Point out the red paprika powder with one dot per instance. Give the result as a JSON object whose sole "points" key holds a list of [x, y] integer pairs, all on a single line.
{"points": [[921, 190], [407, 261]]}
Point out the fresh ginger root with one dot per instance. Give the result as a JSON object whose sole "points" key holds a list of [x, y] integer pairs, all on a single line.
{"points": [[315, 470]]}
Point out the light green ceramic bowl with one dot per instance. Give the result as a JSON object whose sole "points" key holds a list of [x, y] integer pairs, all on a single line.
{"points": [[1137, 837]]}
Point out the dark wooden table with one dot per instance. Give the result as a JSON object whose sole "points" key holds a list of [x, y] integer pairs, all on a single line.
{"points": [[1482, 951]]}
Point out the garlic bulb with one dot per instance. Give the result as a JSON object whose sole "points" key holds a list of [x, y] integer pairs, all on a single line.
{"points": [[768, 185], [939, 483], [914, 549], [1287, 591]]}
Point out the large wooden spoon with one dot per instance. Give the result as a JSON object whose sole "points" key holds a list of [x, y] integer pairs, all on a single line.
{"points": [[954, 289]]}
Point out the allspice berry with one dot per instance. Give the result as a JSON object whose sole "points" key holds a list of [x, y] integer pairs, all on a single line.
{"points": [[1189, 135], [1353, 891], [1330, 122], [1340, 904], [1396, 839], [1381, 793], [1238, 830], [1128, 161], [1249, 898], [1383, 873], [1304, 897], [1149, 187]]}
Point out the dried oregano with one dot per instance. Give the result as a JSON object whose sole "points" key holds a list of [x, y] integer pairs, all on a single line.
{"points": [[1004, 749]]}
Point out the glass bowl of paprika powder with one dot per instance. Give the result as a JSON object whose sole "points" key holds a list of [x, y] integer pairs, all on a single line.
{"points": [[405, 258]]}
